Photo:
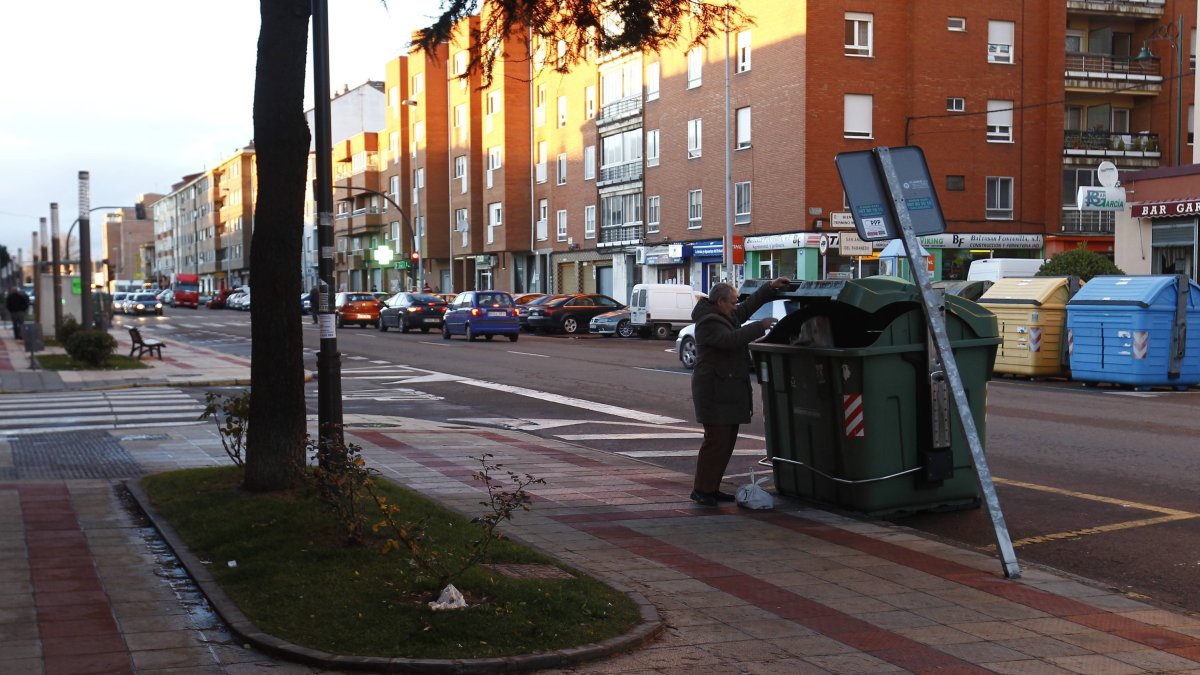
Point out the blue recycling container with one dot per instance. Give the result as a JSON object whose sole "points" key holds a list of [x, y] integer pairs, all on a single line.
{"points": [[1130, 330]]}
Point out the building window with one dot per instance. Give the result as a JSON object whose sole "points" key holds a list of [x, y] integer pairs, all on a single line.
{"points": [[999, 121], [621, 210], [743, 127], [589, 221], [999, 198], [858, 111], [956, 23], [956, 104], [859, 33], [741, 203], [543, 211], [695, 208], [653, 73], [589, 163], [1000, 41], [589, 101], [956, 183], [562, 168], [493, 102], [561, 225], [495, 213], [460, 220], [694, 138], [419, 176], [652, 147], [653, 210], [743, 51], [494, 157], [695, 66], [539, 109], [1191, 122], [562, 111], [543, 151], [622, 148]]}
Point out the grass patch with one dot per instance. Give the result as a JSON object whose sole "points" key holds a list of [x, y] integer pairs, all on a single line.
{"points": [[65, 362], [296, 580]]}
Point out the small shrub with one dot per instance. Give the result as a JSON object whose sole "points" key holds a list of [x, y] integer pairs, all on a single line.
{"points": [[233, 421], [69, 327], [1079, 262], [92, 347]]}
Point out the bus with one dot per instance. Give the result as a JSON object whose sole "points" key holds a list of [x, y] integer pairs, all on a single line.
{"points": [[186, 291]]}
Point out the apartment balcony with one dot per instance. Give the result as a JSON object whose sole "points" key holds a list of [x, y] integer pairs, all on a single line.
{"points": [[620, 173], [1075, 221], [361, 221], [1105, 72], [1136, 9], [621, 110], [1133, 151], [620, 235]]}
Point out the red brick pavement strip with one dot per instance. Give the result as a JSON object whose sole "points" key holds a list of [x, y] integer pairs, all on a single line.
{"points": [[75, 618]]}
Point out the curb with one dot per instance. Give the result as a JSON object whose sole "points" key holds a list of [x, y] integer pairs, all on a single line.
{"points": [[245, 630]]}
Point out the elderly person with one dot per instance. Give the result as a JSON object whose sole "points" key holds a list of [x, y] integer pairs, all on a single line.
{"points": [[17, 304], [721, 391]]}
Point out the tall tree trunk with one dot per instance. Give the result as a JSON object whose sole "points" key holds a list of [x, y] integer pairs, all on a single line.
{"points": [[275, 442]]}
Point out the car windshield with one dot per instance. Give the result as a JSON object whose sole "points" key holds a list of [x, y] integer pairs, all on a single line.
{"points": [[495, 300], [422, 297], [359, 297], [145, 297], [547, 299]]}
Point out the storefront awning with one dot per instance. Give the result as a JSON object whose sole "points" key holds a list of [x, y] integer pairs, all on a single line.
{"points": [[1166, 208]]}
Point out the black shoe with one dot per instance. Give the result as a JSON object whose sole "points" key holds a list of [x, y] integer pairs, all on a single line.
{"points": [[704, 498], [723, 496]]}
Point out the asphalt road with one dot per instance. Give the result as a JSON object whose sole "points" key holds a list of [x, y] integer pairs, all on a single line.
{"points": [[1100, 482]]}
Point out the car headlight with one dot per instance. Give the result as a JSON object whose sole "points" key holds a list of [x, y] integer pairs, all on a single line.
{"points": [[158, 305], [140, 306]]}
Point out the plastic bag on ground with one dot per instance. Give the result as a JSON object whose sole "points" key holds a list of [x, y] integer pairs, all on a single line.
{"points": [[450, 598], [753, 496]]}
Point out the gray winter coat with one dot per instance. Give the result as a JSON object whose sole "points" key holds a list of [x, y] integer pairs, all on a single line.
{"points": [[721, 391]]}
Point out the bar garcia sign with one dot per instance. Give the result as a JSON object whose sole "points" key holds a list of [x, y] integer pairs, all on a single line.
{"points": [[1100, 199], [1190, 207]]}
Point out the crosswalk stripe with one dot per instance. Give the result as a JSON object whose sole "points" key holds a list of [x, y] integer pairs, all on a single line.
{"points": [[641, 454], [69, 411]]}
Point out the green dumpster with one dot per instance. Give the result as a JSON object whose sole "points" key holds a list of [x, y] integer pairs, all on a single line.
{"points": [[852, 418]]}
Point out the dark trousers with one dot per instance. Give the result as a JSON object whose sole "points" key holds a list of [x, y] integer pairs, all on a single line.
{"points": [[18, 321], [715, 451]]}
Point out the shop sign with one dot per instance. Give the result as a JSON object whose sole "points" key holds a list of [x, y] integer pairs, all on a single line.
{"points": [[1189, 207], [709, 249], [1100, 199], [841, 220], [485, 261], [992, 241], [852, 245]]}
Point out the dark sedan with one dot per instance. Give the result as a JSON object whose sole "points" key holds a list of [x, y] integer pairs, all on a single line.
{"points": [[524, 308], [569, 314], [407, 311]]}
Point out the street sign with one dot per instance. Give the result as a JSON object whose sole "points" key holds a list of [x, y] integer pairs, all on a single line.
{"points": [[874, 208], [823, 246], [841, 220], [853, 245]]}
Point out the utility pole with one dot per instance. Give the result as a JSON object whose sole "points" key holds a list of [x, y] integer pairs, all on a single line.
{"points": [[329, 367], [56, 262], [85, 249]]}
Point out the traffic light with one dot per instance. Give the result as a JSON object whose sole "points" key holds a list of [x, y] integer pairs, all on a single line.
{"points": [[414, 256]]}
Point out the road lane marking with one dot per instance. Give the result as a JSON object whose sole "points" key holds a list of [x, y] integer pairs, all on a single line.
{"points": [[1169, 515], [616, 411], [643, 454], [540, 356], [662, 370], [630, 437]]}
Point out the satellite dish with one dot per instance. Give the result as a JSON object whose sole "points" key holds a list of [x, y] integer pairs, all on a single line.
{"points": [[1106, 173]]}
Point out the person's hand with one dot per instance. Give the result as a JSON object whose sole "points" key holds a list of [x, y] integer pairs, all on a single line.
{"points": [[779, 282], [768, 321]]}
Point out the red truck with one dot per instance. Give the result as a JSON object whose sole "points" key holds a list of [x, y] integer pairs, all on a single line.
{"points": [[186, 291]]}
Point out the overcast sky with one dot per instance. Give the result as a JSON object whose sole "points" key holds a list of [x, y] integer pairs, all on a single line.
{"points": [[142, 92]]}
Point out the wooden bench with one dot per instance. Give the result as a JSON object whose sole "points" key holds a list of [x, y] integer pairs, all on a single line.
{"points": [[143, 346]]}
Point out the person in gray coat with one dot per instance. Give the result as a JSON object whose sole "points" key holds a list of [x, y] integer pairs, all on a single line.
{"points": [[721, 392]]}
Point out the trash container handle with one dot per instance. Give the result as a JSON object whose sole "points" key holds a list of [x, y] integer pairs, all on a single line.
{"points": [[767, 461]]}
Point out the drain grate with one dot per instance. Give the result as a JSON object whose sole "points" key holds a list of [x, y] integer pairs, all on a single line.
{"points": [[529, 571], [69, 455]]}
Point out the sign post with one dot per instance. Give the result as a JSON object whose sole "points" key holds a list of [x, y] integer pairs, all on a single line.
{"points": [[891, 196]]}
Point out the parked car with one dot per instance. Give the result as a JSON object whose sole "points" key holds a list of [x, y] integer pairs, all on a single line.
{"points": [[143, 303], [407, 310], [612, 323], [482, 313], [570, 313], [526, 298], [166, 296], [685, 342], [360, 307], [448, 297], [662, 309], [240, 300], [220, 298], [530, 304], [235, 299]]}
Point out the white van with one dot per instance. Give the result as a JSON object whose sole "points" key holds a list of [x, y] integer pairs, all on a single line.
{"points": [[995, 269], [661, 309]]}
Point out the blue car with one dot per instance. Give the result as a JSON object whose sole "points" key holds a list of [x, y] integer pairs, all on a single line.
{"points": [[482, 313]]}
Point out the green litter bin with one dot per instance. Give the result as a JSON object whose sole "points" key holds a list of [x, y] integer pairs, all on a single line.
{"points": [[852, 418]]}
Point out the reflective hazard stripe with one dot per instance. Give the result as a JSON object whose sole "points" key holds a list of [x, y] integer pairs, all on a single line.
{"points": [[1035, 339], [852, 412], [1141, 344]]}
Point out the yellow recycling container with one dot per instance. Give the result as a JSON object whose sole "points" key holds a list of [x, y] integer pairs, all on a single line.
{"points": [[1031, 313]]}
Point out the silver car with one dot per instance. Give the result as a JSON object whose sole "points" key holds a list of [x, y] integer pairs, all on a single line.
{"points": [[612, 323]]}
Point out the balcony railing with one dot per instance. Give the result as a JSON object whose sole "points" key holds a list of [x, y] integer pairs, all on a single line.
{"points": [[1085, 64], [1075, 221], [620, 173], [1150, 8], [1110, 144], [626, 107], [620, 235]]}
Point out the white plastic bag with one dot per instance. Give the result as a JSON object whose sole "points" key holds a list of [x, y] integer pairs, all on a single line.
{"points": [[752, 496], [450, 598]]}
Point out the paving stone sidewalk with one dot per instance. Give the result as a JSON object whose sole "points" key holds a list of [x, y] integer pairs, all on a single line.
{"points": [[84, 588]]}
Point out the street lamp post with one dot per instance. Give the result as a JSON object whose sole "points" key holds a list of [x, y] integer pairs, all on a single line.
{"points": [[85, 249], [1171, 34], [56, 262]]}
